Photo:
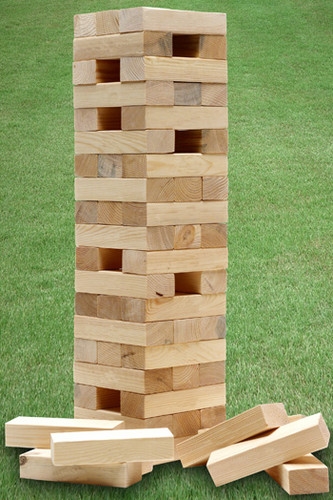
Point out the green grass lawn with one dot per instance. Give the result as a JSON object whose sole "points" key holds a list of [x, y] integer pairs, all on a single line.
{"points": [[280, 292]]}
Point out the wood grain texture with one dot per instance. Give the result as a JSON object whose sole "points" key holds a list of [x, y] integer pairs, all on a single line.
{"points": [[286, 443], [107, 22], [85, 25]]}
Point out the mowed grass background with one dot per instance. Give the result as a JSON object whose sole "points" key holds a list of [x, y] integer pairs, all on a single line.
{"points": [[280, 292]]}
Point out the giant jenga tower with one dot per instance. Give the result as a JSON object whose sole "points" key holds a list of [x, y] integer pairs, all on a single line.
{"points": [[151, 121]]}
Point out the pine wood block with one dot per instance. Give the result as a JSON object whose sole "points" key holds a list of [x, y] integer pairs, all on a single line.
{"points": [[207, 141], [212, 373], [86, 304], [37, 464], [187, 94], [85, 350], [187, 236], [109, 354], [123, 379], [124, 141], [214, 94], [111, 189], [110, 166], [155, 357], [160, 190], [178, 261], [114, 46], [301, 476], [109, 307], [173, 117], [186, 423], [212, 416], [213, 47], [86, 165], [183, 69], [185, 377], [286, 443], [107, 22], [105, 447], [110, 94], [214, 235], [188, 189], [95, 259], [95, 398], [176, 21], [85, 25], [127, 285], [178, 307], [86, 212], [203, 282], [109, 212], [84, 72], [196, 450], [145, 406], [34, 432], [113, 236], [215, 188], [105, 330], [177, 213], [175, 165], [195, 329]]}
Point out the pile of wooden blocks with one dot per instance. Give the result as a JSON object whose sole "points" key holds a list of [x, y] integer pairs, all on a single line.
{"points": [[151, 211], [101, 452]]}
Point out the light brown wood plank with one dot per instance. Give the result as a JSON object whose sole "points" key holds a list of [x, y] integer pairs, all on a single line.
{"points": [[188, 189], [107, 22], [85, 350], [187, 94], [85, 25], [213, 47], [215, 188], [196, 450], [212, 416], [214, 94], [185, 377], [188, 236], [108, 353], [286, 443], [111, 189], [194, 329], [203, 282], [86, 304], [86, 165]]}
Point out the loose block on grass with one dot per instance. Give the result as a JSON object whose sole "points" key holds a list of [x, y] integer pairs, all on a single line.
{"points": [[34, 432], [301, 476], [104, 447], [196, 450], [286, 443], [37, 464]]}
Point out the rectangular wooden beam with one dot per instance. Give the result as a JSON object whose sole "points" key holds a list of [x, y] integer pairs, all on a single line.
{"points": [[286, 443]]}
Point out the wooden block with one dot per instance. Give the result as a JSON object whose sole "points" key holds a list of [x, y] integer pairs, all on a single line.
{"points": [[286, 443], [123, 45], [110, 94], [186, 423], [188, 189], [159, 93], [105, 447], [196, 451], [185, 377], [214, 94], [109, 353], [179, 213], [110, 166], [177, 261], [34, 432], [86, 119], [109, 212], [123, 332], [95, 398], [86, 212], [86, 258], [126, 285], [212, 416], [123, 379], [302, 476], [141, 238], [124, 141], [145, 406], [182, 69], [85, 25], [214, 235], [188, 236], [202, 141], [37, 464], [111, 189], [215, 188], [155, 357], [161, 190], [86, 165], [191, 330], [213, 47], [86, 304], [176, 21], [175, 165], [107, 22], [212, 373], [85, 350], [109, 307], [187, 94], [173, 117], [203, 282], [84, 73]]}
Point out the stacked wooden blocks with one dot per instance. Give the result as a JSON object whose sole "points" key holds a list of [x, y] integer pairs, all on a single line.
{"points": [[151, 212]]}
